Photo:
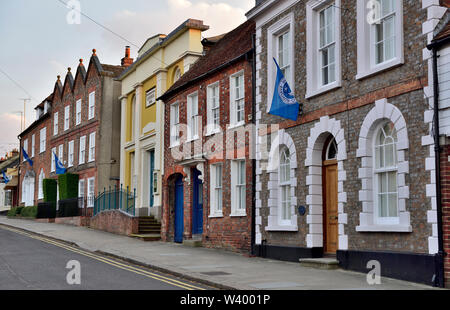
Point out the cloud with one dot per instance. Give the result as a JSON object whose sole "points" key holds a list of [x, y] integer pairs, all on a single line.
{"points": [[138, 26], [10, 129]]}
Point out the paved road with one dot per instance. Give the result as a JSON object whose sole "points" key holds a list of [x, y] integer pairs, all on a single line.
{"points": [[31, 262]]}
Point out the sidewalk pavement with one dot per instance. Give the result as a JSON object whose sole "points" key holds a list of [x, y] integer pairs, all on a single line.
{"points": [[219, 268]]}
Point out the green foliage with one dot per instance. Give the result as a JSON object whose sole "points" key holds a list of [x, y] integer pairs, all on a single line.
{"points": [[12, 212], [68, 186], [50, 190], [29, 212]]}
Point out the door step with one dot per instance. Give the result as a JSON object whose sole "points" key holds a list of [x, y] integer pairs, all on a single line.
{"points": [[195, 243], [320, 263], [147, 237]]}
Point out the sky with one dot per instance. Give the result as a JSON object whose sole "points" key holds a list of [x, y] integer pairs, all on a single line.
{"points": [[37, 42]]}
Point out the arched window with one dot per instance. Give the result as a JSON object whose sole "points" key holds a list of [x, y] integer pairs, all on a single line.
{"points": [[285, 186], [176, 74], [385, 174], [332, 150]]}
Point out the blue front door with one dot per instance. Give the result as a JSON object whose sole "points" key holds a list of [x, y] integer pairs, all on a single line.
{"points": [[197, 212], [179, 201]]}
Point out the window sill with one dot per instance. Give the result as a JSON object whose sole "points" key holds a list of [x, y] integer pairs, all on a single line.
{"points": [[323, 89], [233, 126], [384, 228], [238, 214], [216, 215], [282, 228], [212, 132], [177, 144], [192, 139], [380, 68]]}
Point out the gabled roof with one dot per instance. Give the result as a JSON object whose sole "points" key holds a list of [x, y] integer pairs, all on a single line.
{"points": [[9, 163], [68, 81], [233, 46], [81, 70], [41, 105]]}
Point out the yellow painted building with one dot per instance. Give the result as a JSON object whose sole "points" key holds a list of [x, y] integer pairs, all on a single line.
{"points": [[161, 61]]}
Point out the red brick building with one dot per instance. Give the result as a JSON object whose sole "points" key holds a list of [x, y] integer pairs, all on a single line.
{"points": [[82, 114], [208, 164]]}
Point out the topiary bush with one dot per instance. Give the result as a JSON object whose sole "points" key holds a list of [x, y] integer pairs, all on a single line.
{"points": [[50, 187], [29, 212], [46, 210], [68, 186], [12, 212]]}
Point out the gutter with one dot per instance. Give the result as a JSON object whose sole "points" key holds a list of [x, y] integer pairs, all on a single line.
{"points": [[438, 280], [253, 221]]}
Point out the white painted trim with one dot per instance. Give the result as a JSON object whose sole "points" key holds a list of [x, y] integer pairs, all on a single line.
{"points": [[381, 112], [312, 64], [365, 54], [314, 200]]}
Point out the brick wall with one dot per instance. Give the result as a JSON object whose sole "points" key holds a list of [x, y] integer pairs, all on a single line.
{"points": [[233, 233], [115, 222]]}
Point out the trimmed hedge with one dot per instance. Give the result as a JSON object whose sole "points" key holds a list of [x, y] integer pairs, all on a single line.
{"points": [[68, 208], [68, 186], [50, 190], [30, 212], [12, 212], [46, 210]]}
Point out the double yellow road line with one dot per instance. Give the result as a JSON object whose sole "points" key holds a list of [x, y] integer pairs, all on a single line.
{"points": [[108, 261]]}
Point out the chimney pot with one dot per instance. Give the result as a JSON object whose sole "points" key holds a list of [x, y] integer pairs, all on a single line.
{"points": [[127, 61]]}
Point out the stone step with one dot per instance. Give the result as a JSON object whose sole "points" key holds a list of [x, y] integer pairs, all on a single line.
{"points": [[320, 263], [149, 231], [193, 243], [147, 237]]}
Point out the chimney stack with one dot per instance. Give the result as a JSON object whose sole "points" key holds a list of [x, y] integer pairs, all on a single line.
{"points": [[127, 61]]}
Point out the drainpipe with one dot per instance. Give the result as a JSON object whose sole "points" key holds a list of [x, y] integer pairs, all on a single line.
{"points": [[253, 222], [439, 277]]}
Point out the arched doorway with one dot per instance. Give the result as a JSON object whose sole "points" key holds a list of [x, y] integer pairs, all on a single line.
{"points": [[330, 196], [179, 210]]}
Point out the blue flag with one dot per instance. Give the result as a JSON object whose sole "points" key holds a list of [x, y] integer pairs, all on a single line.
{"points": [[284, 103], [60, 169], [5, 178], [26, 157]]}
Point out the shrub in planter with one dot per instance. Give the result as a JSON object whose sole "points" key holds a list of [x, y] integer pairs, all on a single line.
{"points": [[30, 212], [46, 210], [12, 212], [68, 208], [68, 186], [49, 187]]}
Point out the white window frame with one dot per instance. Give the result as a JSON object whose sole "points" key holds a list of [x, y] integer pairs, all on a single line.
{"points": [[90, 192], [282, 185], [33, 145], [236, 199], [365, 41], [40, 185], [78, 112], [82, 152], [91, 147], [234, 101], [91, 110], [273, 32], [82, 190], [175, 124], [192, 117], [150, 97], [61, 153], [376, 175], [42, 140], [25, 147], [212, 127], [53, 165], [216, 191], [313, 56], [71, 154], [55, 123], [66, 118]]}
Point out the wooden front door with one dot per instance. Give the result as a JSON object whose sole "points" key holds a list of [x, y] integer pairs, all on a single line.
{"points": [[330, 220]]}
